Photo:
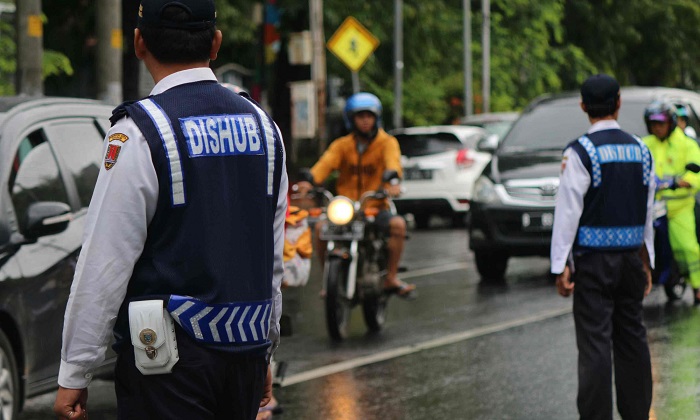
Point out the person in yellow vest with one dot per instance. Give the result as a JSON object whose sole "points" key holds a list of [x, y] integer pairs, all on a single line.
{"points": [[672, 150], [361, 158]]}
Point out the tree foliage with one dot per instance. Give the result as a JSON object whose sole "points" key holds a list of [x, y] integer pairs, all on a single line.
{"points": [[536, 47]]}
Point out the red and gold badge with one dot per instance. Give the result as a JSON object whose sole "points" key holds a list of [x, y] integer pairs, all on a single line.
{"points": [[112, 155]]}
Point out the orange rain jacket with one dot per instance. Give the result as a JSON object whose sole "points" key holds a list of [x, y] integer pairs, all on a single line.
{"points": [[382, 153]]}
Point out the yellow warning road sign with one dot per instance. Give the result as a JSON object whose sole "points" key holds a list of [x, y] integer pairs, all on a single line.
{"points": [[352, 43]]}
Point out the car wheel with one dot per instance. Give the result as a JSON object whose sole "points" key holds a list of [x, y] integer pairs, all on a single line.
{"points": [[491, 266], [422, 220], [9, 381], [459, 220]]}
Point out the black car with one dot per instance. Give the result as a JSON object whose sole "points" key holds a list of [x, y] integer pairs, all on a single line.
{"points": [[50, 156], [512, 208]]}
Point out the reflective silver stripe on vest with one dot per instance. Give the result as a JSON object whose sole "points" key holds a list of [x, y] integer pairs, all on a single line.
{"points": [[165, 129], [646, 160], [270, 140], [596, 173], [611, 237], [228, 323]]}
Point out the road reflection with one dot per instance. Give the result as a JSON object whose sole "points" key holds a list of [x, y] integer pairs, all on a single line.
{"points": [[675, 350]]}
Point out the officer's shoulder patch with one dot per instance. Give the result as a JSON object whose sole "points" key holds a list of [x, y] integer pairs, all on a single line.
{"points": [[112, 155], [118, 137]]}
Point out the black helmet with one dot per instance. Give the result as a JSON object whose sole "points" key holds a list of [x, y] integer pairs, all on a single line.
{"points": [[662, 112]]}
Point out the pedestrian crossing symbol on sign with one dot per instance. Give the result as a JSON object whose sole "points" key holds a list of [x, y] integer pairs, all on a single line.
{"points": [[352, 43]]}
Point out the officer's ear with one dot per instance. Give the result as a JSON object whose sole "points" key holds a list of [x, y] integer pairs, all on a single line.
{"points": [[215, 45], [139, 45], [583, 107]]}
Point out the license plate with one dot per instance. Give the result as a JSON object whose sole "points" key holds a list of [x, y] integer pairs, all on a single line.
{"points": [[417, 174], [537, 221], [352, 232]]}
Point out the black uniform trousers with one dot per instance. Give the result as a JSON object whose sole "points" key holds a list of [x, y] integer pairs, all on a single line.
{"points": [[609, 288], [205, 384]]}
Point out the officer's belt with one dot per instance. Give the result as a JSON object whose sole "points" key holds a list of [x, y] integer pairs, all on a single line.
{"points": [[222, 323]]}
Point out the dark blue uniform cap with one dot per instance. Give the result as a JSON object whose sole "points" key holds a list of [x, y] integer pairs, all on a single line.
{"points": [[600, 92], [202, 14]]}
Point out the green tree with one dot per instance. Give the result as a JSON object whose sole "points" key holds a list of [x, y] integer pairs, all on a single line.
{"points": [[643, 42], [53, 62]]}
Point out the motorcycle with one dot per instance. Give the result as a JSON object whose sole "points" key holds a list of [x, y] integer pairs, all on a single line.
{"points": [[666, 271], [356, 259]]}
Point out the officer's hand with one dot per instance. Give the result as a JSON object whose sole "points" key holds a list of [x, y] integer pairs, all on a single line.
{"points": [[564, 285], [267, 389], [647, 273], [394, 190], [302, 187], [71, 403], [683, 184]]}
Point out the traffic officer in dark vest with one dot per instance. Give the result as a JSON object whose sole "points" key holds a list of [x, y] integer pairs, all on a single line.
{"points": [[602, 244], [182, 253]]}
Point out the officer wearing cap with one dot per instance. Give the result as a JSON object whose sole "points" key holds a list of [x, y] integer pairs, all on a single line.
{"points": [[182, 253], [602, 251]]}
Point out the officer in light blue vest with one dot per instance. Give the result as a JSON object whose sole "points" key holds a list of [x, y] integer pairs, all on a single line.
{"points": [[602, 251], [182, 254]]}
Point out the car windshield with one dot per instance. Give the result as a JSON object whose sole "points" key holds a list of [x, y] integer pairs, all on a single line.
{"points": [[499, 128], [413, 145], [551, 126]]}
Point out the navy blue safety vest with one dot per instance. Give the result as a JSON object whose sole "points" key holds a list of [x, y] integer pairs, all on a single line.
{"points": [[615, 205], [219, 162]]}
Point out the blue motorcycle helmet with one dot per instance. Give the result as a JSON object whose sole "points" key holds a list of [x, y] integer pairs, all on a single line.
{"points": [[662, 112], [682, 111], [362, 101]]}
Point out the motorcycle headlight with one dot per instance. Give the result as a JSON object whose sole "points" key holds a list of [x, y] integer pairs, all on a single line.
{"points": [[340, 210], [484, 191]]}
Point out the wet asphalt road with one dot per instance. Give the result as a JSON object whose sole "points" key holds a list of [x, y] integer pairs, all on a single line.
{"points": [[462, 350]]}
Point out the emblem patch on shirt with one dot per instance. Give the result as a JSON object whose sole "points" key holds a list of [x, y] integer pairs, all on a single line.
{"points": [[112, 155], [119, 136], [563, 163]]}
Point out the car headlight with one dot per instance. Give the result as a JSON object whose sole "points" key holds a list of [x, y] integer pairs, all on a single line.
{"points": [[484, 191], [340, 210]]}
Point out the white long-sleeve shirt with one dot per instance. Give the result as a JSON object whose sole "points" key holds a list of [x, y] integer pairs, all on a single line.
{"points": [[122, 206], [573, 185]]}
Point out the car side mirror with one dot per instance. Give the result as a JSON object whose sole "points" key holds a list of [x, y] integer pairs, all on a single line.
{"points": [[46, 218], [488, 144]]}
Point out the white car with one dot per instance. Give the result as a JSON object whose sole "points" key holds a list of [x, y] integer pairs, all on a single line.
{"points": [[440, 165]]}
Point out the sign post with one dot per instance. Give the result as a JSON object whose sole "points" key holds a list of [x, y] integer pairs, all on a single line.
{"points": [[352, 43]]}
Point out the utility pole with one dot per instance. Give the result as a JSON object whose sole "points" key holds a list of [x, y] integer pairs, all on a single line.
{"points": [[318, 68], [468, 71], [486, 36], [398, 63], [30, 47], [109, 51]]}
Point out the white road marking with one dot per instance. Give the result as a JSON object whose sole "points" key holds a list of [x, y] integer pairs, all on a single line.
{"points": [[433, 270], [415, 348]]}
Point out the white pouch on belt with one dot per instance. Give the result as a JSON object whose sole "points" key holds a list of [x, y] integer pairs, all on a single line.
{"points": [[152, 332]]}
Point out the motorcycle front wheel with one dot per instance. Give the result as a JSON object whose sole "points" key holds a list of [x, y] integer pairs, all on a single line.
{"points": [[374, 311], [675, 288], [338, 306]]}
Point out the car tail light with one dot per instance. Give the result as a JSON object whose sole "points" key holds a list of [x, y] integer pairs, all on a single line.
{"points": [[464, 158]]}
